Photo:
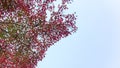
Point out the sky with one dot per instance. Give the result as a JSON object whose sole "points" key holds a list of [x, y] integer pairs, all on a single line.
{"points": [[96, 44]]}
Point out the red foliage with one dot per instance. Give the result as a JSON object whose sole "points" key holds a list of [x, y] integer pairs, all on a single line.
{"points": [[25, 35]]}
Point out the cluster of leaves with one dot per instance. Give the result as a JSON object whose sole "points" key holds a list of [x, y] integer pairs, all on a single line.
{"points": [[25, 35]]}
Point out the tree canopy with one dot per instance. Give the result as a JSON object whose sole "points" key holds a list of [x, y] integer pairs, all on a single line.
{"points": [[25, 34]]}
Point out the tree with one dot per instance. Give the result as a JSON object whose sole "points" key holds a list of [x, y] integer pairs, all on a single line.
{"points": [[25, 34]]}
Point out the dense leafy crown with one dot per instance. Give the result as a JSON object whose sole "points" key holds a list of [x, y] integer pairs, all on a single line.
{"points": [[25, 34]]}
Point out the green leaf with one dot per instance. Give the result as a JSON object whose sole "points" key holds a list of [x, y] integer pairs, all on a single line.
{"points": [[2, 35]]}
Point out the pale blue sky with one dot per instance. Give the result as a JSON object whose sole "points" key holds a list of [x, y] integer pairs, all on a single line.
{"points": [[96, 44]]}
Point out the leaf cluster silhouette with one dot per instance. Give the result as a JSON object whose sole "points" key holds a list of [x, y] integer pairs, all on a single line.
{"points": [[25, 34]]}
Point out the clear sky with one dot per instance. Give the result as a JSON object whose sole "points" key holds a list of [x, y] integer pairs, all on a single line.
{"points": [[96, 44]]}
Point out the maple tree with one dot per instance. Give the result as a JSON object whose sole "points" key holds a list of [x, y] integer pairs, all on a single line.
{"points": [[25, 34]]}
